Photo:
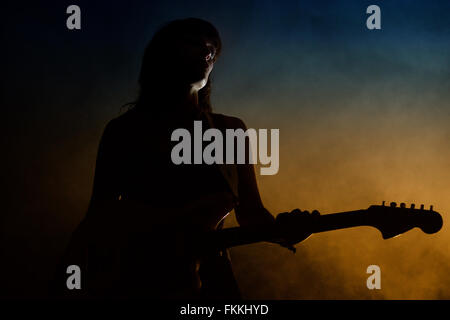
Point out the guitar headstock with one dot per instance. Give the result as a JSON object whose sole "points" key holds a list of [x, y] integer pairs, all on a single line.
{"points": [[394, 220]]}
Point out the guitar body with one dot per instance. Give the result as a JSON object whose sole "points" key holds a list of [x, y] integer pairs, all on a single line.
{"points": [[129, 249]]}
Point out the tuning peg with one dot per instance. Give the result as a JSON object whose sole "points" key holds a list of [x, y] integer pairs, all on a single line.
{"points": [[431, 208], [393, 204], [413, 205], [402, 205], [421, 207]]}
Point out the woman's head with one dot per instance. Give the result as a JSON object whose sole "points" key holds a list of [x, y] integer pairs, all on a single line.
{"points": [[180, 55]]}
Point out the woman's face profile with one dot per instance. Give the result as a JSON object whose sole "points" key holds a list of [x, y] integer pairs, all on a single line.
{"points": [[194, 58]]}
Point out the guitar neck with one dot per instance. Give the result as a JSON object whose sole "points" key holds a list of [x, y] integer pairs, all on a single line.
{"points": [[231, 237], [341, 220]]}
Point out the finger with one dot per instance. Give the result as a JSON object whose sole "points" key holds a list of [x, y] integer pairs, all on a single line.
{"points": [[292, 248], [288, 245], [282, 215], [300, 212]]}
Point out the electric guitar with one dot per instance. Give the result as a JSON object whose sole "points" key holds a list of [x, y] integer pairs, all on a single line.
{"points": [[390, 220]]}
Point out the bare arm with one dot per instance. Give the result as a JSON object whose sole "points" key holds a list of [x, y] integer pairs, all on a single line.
{"points": [[250, 210], [106, 178]]}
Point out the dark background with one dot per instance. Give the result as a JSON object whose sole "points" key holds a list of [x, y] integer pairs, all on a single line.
{"points": [[363, 117]]}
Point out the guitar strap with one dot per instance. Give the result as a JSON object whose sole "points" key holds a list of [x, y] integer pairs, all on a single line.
{"points": [[229, 171]]}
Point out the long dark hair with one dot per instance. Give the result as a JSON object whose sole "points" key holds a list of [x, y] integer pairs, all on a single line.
{"points": [[157, 50]]}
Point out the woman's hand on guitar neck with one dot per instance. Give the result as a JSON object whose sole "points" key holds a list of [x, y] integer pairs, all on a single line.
{"points": [[291, 234]]}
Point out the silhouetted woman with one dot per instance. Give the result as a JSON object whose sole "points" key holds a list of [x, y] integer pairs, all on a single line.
{"points": [[146, 212]]}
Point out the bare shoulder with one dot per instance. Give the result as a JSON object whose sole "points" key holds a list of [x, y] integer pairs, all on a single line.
{"points": [[121, 125], [123, 120], [228, 122]]}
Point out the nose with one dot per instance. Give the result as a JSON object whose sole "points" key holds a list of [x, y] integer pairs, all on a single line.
{"points": [[210, 52]]}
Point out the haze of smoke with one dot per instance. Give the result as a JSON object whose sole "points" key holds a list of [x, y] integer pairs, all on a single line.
{"points": [[347, 158]]}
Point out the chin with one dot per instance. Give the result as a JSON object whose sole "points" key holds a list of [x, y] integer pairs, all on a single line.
{"points": [[199, 84]]}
